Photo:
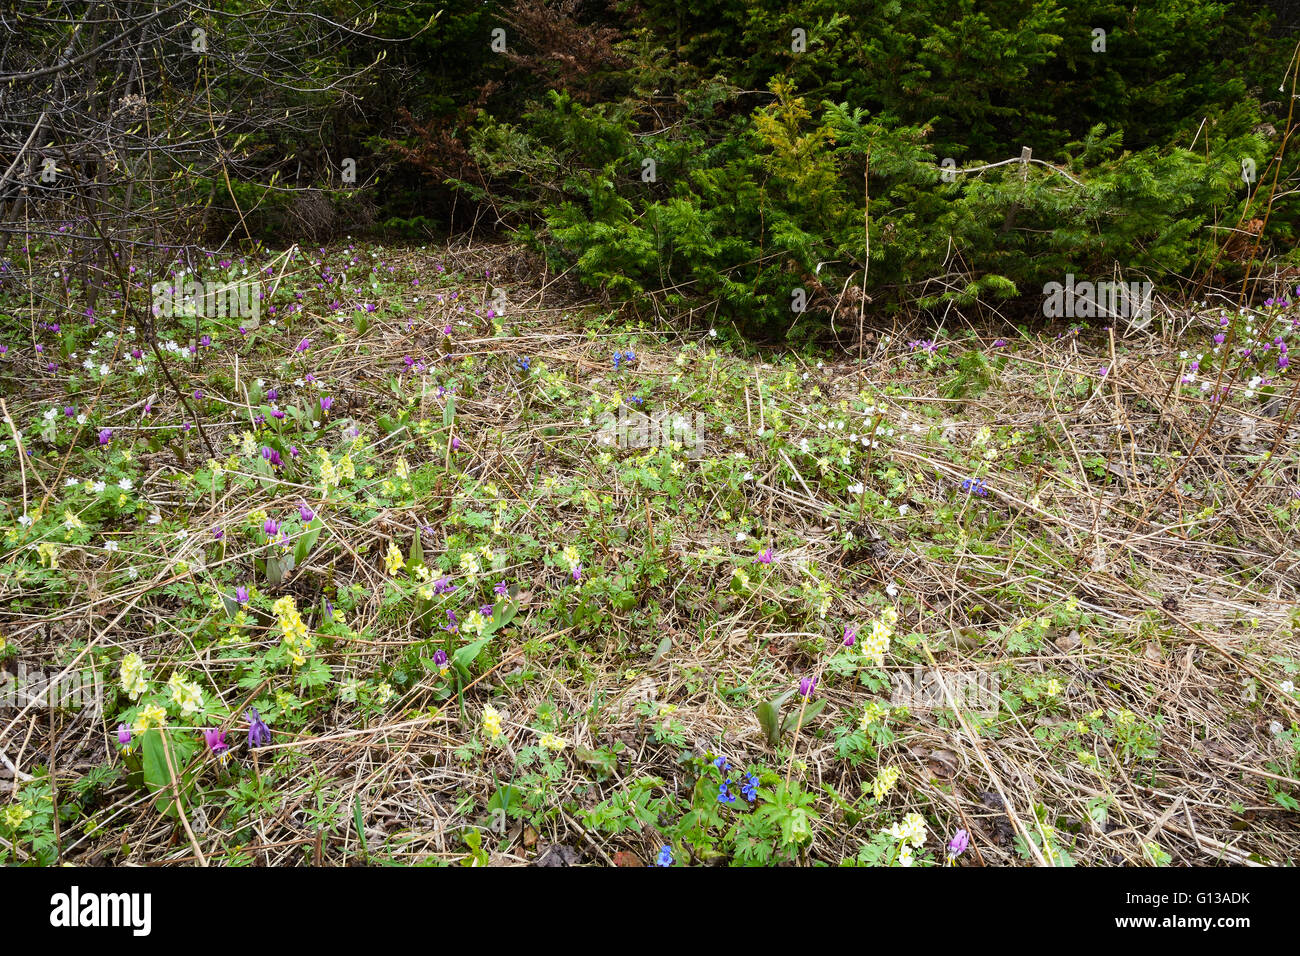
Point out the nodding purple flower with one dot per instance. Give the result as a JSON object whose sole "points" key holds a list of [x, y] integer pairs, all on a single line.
{"points": [[276, 413], [959, 843], [501, 589], [305, 512], [304, 345], [443, 586], [1000, 344], [1104, 371], [765, 556], [806, 686], [216, 741], [271, 527], [1219, 339], [124, 735], [446, 330], [105, 436], [440, 659], [485, 610], [259, 735], [326, 404], [206, 341], [217, 533], [69, 411], [273, 395], [198, 394], [455, 443], [577, 573], [850, 637], [241, 594]]}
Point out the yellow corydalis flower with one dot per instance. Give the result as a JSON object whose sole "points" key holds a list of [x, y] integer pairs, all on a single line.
{"points": [[151, 716], [394, 561], [491, 722], [885, 781], [293, 630], [552, 742], [186, 694], [48, 554], [134, 677]]}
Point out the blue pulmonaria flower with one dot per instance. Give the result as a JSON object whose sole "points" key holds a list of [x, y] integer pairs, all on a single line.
{"points": [[721, 764], [976, 485], [724, 794], [524, 364], [618, 360], [749, 789], [629, 356], [259, 735], [665, 857]]}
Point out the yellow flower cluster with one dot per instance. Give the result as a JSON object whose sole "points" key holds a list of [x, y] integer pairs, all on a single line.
{"points": [[552, 742], [469, 565], [393, 560], [910, 830], [151, 716], [186, 694], [491, 722], [329, 477], [876, 644], [872, 714], [293, 629], [134, 677], [885, 781], [15, 814], [48, 553]]}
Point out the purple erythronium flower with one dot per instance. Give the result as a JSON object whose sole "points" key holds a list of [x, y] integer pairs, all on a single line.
{"points": [[577, 573], [259, 735], [241, 594], [271, 527], [105, 436], [850, 637], [1104, 371], [959, 842], [485, 610], [305, 512], [765, 556], [326, 404], [443, 586], [216, 741], [218, 534], [273, 395], [1219, 339], [304, 345], [124, 735], [806, 686], [501, 589], [455, 443], [440, 659]]}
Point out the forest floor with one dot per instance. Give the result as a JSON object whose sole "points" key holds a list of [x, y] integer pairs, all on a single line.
{"points": [[448, 574]]}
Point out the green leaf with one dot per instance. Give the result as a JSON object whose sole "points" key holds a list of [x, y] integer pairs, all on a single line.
{"points": [[156, 746]]}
